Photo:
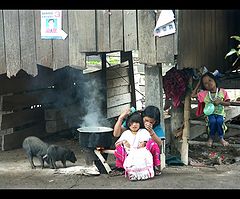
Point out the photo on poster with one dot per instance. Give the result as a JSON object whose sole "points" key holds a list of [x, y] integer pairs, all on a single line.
{"points": [[51, 25]]}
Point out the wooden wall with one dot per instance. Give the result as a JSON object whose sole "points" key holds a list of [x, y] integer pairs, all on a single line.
{"points": [[204, 37], [34, 105], [89, 31], [118, 89]]}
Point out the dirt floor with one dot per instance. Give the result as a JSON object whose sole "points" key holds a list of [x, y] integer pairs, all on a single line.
{"points": [[16, 173]]}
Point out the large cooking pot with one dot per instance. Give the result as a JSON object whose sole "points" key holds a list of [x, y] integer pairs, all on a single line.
{"points": [[92, 137]]}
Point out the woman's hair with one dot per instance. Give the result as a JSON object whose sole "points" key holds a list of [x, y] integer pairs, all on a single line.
{"points": [[134, 117], [209, 75], [152, 112]]}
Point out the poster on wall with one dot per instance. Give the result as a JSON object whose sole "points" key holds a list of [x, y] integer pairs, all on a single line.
{"points": [[51, 25], [165, 24]]}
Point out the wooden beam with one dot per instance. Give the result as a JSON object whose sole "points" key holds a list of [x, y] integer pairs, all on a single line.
{"points": [[3, 68], [130, 30], [27, 42], [127, 56], [12, 41], [186, 129], [116, 30]]}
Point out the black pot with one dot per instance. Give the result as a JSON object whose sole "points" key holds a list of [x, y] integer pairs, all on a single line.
{"points": [[93, 137]]}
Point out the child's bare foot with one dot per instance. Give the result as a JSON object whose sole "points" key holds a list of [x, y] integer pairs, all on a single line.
{"points": [[224, 142], [210, 142]]}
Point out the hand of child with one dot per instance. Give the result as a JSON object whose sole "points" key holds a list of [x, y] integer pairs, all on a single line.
{"points": [[141, 144], [126, 144], [217, 101], [125, 113], [148, 126]]}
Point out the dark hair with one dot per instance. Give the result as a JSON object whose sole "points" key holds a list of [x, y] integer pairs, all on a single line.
{"points": [[134, 117], [152, 112], [51, 20], [209, 74]]}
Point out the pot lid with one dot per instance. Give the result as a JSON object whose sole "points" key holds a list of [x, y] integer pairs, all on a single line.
{"points": [[95, 129]]}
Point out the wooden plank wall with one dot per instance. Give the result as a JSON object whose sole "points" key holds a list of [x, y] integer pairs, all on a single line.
{"points": [[116, 30], [12, 41], [3, 68], [130, 30], [27, 104], [147, 48], [206, 34], [165, 47], [89, 31], [118, 89]]}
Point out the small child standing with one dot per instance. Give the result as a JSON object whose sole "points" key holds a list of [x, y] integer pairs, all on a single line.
{"points": [[214, 99]]}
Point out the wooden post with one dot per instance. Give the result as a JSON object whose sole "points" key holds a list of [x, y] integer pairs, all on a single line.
{"points": [[154, 96], [104, 83], [185, 136], [127, 56]]}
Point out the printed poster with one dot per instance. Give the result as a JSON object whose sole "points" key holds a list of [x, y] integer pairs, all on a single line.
{"points": [[51, 25], [165, 24]]}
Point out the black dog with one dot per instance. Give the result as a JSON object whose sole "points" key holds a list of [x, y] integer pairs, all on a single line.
{"points": [[35, 147], [58, 153]]}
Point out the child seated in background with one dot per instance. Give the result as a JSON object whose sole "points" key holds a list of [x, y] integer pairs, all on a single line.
{"points": [[214, 99]]}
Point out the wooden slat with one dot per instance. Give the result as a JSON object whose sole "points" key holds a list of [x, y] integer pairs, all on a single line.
{"points": [[146, 40], [118, 100], [121, 65], [2, 112], [3, 68], [210, 39], [24, 100], [85, 24], [20, 118], [14, 140], [165, 47], [221, 39], [116, 30], [118, 82], [44, 46], [165, 53], [27, 42], [116, 111], [118, 90], [12, 42], [60, 47], [103, 31], [185, 36], [175, 36], [201, 55], [130, 30], [77, 59], [193, 18], [121, 72]]}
